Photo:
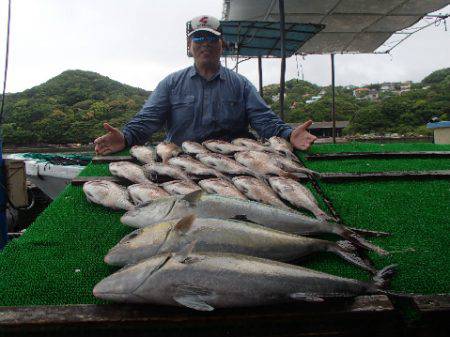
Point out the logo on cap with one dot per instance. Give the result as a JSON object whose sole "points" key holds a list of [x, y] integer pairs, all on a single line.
{"points": [[204, 20]]}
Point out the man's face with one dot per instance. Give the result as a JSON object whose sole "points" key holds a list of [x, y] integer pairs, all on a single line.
{"points": [[206, 48]]}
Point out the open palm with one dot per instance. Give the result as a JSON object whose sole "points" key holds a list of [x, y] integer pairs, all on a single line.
{"points": [[301, 139]]}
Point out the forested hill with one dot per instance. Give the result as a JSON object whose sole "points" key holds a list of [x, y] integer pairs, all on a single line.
{"points": [[69, 108]]}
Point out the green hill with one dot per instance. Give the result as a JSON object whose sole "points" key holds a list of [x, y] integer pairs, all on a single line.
{"points": [[69, 108]]}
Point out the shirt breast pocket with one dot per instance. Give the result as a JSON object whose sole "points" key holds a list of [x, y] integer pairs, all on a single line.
{"points": [[232, 114], [182, 109]]}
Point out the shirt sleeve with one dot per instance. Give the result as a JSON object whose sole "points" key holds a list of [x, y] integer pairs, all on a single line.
{"points": [[261, 117], [150, 118]]}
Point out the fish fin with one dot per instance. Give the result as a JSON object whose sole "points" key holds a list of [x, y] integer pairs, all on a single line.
{"points": [[185, 223], [289, 175], [193, 197], [384, 276], [367, 232], [193, 297], [358, 240], [183, 256], [351, 257], [306, 297]]}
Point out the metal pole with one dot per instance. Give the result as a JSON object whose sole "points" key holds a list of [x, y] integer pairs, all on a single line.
{"points": [[283, 57], [333, 108], [260, 76]]}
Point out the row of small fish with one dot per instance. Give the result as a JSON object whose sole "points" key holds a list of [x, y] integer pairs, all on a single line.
{"points": [[114, 196], [166, 150]]}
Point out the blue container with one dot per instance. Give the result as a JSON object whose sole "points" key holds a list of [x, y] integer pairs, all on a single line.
{"points": [[3, 224]]}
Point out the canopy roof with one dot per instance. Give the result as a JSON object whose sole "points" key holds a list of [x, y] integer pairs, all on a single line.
{"points": [[351, 26], [257, 38]]}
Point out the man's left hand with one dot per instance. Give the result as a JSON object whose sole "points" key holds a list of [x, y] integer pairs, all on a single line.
{"points": [[300, 138]]}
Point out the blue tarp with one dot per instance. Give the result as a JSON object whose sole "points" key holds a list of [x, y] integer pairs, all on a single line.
{"points": [[261, 38]]}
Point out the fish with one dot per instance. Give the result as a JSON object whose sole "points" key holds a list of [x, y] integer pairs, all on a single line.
{"points": [[227, 236], [194, 167], [256, 190], [180, 187], [222, 187], [193, 148], [205, 281], [289, 165], [155, 171], [298, 195], [217, 206], [223, 164], [108, 194], [250, 144], [145, 192], [129, 171], [167, 150], [282, 146], [144, 154], [261, 163], [222, 147]]}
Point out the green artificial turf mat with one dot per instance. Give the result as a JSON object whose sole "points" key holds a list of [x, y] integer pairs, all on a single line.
{"points": [[372, 147], [60, 257]]}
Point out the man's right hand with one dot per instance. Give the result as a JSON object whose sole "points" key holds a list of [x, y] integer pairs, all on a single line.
{"points": [[112, 142]]}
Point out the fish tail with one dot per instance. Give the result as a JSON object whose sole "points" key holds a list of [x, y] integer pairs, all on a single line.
{"points": [[357, 239], [383, 277], [349, 253]]}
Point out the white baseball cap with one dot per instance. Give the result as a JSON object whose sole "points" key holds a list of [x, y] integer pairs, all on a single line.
{"points": [[205, 23]]}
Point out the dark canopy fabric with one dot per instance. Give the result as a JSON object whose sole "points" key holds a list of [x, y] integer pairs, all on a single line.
{"points": [[258, 38]]}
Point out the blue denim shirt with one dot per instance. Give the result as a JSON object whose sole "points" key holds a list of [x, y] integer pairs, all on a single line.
{"points": [[192, 108]]}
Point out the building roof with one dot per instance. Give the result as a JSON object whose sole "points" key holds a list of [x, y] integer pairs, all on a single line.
{"points": [[351, 26]]}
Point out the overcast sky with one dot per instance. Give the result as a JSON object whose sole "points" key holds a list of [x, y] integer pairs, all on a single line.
{"points": [[139, 42]]}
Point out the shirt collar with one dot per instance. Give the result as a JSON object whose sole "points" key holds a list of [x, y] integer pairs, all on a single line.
{"points": [[221, 72]]}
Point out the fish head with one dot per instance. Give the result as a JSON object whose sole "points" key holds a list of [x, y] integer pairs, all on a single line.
{"points": [[96, 190], [122, 285], [155, 211], [149, 213], [139, 244]]}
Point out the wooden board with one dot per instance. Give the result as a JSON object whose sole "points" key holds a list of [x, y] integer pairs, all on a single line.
{"points": [[78, 181], [380, 155], [110, 159], [368, 314], [338, 177]]}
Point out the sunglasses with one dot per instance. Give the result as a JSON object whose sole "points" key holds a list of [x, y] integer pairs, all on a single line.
{"points": [[208, 38]]}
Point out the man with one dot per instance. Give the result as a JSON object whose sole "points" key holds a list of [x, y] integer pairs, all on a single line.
{"points": [[204, 101]]}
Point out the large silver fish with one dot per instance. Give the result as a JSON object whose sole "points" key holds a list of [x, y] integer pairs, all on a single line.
{"points": [[222, 147], [289, 165], [217, 206], [166, 150], [298, 195], [129, 171], [193, 148], [194, 167], [180, 187], [108, 194], [256, 190], [155, 171], [144, 154], [218, 235], [145, 192], [222, 187], [204, 281]]}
